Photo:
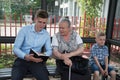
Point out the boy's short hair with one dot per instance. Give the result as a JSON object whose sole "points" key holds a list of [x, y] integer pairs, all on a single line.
{"points": [[100, 33], [41, 14]]}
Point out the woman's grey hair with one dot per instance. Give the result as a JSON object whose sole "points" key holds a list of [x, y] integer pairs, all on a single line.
{"points": [[65, 19]]}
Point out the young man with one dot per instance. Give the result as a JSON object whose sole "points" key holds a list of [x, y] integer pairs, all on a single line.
{"points": [[99, 58], [34, 37]]}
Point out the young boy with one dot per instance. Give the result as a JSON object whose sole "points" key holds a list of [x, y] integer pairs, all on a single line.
{"points": [[99, 58]]}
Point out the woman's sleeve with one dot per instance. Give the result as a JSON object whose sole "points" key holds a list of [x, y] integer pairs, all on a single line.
{"points": [[79, 40]]}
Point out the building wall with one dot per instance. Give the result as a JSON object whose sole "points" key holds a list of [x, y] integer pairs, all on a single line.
{"points": [[68, 8], [105, 8], [71, 8]]}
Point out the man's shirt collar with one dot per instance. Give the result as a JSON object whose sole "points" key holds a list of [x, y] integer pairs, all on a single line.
{"points": [[33, 29]]}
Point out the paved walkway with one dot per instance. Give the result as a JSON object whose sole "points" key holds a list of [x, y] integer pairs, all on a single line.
{"points": [[51, 78]]}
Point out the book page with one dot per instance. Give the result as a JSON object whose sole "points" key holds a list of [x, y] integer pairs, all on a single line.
{"points": [[39, 54]]}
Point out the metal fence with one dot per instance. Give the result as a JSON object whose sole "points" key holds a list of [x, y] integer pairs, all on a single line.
{"points": [[86, 27]]}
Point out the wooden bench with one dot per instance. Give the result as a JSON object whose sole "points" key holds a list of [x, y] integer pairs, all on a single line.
{"points": [[5, 73]]}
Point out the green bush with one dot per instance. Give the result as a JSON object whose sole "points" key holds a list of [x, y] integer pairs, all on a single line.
{"points": [[50, 61], [7, 60]]}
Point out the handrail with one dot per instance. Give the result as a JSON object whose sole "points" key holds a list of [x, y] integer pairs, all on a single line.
{"points": [[114, 42], [4, 39], [9, 39]]}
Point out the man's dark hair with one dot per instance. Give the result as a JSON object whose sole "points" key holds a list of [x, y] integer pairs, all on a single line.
{"points": [[41, 14]]}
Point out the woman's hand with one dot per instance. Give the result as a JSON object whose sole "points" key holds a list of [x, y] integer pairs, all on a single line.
{"points": [[63, 56], [68, 62], [84, 56]]}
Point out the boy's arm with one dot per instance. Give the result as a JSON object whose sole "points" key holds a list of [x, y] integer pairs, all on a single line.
{"points": [[106, 63], [98, 64]]}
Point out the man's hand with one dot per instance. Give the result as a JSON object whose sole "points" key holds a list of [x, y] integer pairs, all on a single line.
{"points": [[29, 57]]}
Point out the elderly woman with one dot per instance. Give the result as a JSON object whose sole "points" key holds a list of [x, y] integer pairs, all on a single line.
{"points": [[67, 43]]}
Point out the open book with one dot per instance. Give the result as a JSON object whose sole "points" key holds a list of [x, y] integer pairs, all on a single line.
{"points": [[37, 55]]}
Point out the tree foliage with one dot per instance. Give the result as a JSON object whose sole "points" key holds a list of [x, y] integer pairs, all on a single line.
{"points": [[24, 7], [91, 7]]}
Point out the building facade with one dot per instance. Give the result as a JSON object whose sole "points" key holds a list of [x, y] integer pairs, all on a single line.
{"points": [[67, 8]]}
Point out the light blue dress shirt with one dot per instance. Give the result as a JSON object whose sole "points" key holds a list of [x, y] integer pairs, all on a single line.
{"points": [[28, 38]]}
